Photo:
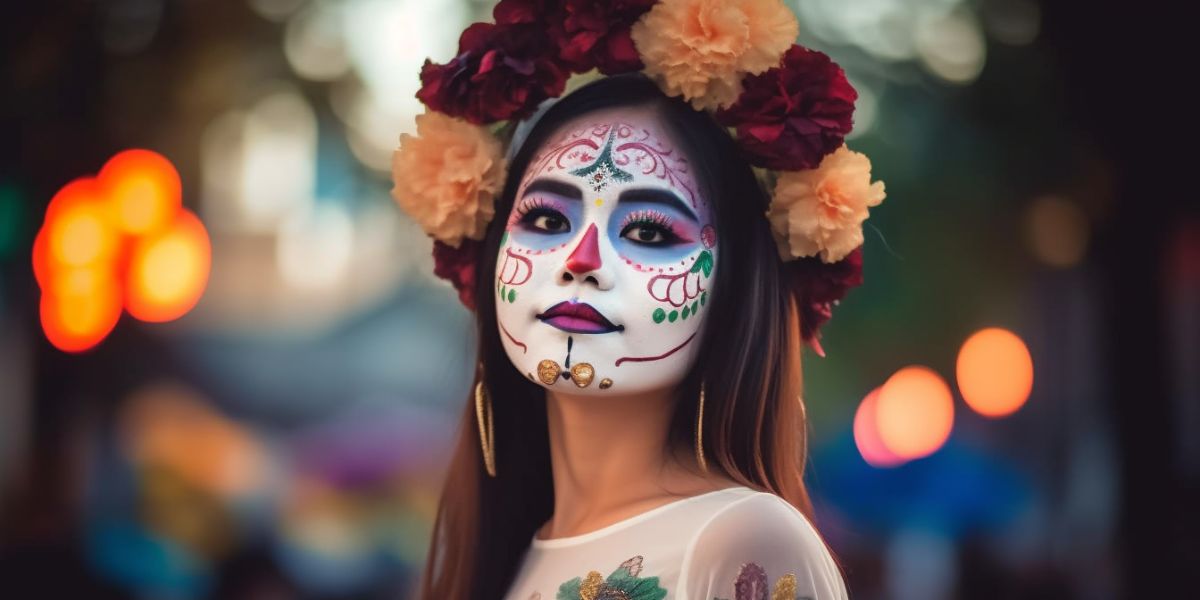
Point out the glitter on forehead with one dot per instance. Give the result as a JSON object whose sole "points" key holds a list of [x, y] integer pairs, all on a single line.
{"points": [[601, 172]]}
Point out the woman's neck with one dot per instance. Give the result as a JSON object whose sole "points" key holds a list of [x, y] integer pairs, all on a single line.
{"points": [[608, 460]]}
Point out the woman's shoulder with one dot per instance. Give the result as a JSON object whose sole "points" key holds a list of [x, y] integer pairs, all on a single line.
{"points": [[762, 516], [759, 541]]}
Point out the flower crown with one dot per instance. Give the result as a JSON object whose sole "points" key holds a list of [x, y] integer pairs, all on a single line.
{"points": [[789, 108]]}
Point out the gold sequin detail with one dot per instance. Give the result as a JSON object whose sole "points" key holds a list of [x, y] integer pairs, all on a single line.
{"points": [[582, 374], [548, 371], [785, 588], [605, 383], [590, 588]]}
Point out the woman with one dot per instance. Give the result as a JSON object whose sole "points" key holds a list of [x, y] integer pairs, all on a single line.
{"points": [[637, 429]]}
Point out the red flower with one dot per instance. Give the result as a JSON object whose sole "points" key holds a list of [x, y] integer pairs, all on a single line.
{"points": [[509, 12], [457, 265], [817, 285], [501, 72], [588, 34], [791, 116]]}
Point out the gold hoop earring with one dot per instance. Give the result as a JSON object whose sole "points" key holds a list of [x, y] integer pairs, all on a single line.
{"points": [[700, 432], [487, 436]]}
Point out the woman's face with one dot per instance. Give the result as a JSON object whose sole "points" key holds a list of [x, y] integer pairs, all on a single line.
{"points": [[607, 261]]}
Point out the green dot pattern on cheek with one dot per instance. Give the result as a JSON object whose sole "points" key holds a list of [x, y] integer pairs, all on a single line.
{"points": [[659, 315]]}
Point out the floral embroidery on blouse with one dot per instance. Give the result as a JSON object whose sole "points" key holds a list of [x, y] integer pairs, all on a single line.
{"points": [[751, 584], [622, 584]]}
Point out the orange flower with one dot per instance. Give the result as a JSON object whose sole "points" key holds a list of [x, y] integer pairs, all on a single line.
{"points": [[701, 49], [447, 177], [821, 210]]}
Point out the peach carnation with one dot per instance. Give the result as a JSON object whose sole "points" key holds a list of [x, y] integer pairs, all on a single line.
{"points": [[821, 210], [447, 177], [701, 49]]}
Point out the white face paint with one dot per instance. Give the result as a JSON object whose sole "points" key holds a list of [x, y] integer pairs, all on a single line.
{"points": [[604, 272]]}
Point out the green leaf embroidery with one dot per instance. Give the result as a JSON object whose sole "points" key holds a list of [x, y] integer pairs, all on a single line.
{"points": [[621, 583]]}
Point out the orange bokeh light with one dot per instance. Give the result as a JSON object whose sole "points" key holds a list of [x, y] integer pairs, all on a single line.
{"points": [[119, 239], [78, 227], [143, 188], [80, 307], [866, 434], [915, 412], [995, 372], [43, 266], [168, 271]]}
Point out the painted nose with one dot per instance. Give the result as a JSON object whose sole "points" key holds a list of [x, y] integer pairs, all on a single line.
{"points": [[585, 258], [584, 264]]}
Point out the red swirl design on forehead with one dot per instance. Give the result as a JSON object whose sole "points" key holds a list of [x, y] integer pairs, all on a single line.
{"points": [[633, 147]]}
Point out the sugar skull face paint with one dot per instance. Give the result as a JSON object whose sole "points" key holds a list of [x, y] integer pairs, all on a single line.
{"points": [[607, 260]]}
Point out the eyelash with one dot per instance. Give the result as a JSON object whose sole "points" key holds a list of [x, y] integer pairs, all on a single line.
{"points": [[654, 220], [531, 208]]}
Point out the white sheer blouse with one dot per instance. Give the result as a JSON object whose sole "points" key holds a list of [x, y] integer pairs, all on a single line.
{"points": [[730, 544]]}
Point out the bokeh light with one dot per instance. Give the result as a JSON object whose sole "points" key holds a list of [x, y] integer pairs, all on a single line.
{"points": [[168, 272], [313, 42], [1057, 231], [118, 239], [915, 412], [952, 46], [995, 372], [42, 264], [143, 189], [80, 307], [78, 225], [866, 434]]}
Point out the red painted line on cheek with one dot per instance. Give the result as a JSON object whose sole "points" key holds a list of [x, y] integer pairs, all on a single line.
{"points": [[512, 279], [654, 358], [524, 348]]}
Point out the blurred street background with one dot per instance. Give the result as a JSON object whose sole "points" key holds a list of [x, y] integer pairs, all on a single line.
{"points": [[260, 403]]}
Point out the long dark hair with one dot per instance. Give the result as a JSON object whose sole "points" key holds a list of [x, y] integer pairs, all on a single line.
{"points": [[754, 423]]}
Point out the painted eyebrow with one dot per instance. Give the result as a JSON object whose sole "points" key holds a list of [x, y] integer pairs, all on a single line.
{"points": [[657, 196], [551, 186]]}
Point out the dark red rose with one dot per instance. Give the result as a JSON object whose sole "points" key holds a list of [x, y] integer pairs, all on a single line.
{"points": [[817, 285], [596, 34], [588, 34], [501, 72], [457, 265], [510, 12], [789, 117]]}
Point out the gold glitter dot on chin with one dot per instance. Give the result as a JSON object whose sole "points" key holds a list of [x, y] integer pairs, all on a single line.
{"points": [[599, 202], [582, 374], [548, 371], [605, 383]]}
